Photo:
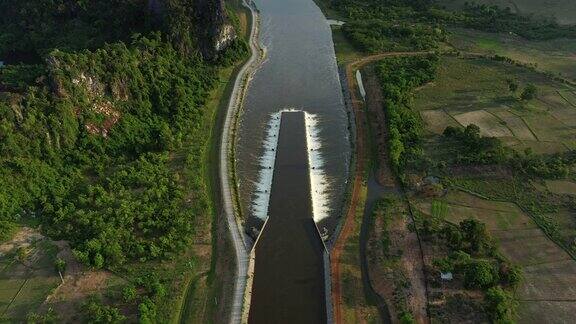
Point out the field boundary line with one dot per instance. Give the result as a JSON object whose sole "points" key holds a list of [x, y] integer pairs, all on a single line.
{"points": [[548, 262], [502, 122], [464, 205], [511, 110], [15, 296], [548, 300], [568, 101], [450, 115]]}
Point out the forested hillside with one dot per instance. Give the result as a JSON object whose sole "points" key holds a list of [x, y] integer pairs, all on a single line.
{"points": [[102, 122]]}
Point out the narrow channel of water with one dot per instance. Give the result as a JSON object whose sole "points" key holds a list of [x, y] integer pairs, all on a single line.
{"points": [[288, 284], [300, 72]]}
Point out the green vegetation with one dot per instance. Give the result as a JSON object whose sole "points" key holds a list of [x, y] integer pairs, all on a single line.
{"points": [[398, 78], [477, 91], [99, 313], [473, 148], [500, 305], [374, 36], [493, 117], [496, 19], [401, 25], [471, 254], [104, 129], [529, 93], [554, 57]]}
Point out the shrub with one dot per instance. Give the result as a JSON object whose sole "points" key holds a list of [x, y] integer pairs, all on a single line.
{"points": [[60, 265], [406, 318], [129, 293], [500, 305], [147, 311], [475, 236], [480, 274], [97, 313], [529, 93], [511, 275]]}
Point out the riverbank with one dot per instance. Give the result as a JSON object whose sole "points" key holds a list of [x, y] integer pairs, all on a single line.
{"points": [[356, 294], [227, 174], [207, 294]]}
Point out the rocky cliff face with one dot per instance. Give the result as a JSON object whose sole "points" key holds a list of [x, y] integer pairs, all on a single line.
{"points": [[214, 28], [207, 19]]}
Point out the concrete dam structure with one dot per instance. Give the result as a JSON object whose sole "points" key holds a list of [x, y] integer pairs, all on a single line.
{"points": [[288, 283]]}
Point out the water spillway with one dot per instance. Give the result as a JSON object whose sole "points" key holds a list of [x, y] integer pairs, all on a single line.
{"points": [[288, 284], [300, 71]]}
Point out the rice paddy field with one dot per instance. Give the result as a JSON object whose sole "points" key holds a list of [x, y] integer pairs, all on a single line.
{"points": [[26, 281], [476, 91], [547, 293], [563, 11]]}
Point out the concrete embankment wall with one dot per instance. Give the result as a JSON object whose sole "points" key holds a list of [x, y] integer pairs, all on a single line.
{"points": [[227, 183]]}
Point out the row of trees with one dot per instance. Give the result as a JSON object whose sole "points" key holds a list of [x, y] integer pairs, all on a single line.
{"points": [[398, 78]]}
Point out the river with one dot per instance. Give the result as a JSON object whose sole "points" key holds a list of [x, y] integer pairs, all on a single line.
{"points": [[300, 72]]}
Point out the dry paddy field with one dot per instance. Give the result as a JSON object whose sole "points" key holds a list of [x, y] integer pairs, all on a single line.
{"points": [[475, 91], [548, 291]]}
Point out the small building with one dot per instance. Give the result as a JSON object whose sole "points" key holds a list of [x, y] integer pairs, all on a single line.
{"points": [[446, 276]]}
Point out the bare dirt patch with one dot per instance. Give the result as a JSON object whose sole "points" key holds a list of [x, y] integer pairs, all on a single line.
{"points": [[488, 123], [23, 238], [437, 120], [516, 125], [72, 293]]}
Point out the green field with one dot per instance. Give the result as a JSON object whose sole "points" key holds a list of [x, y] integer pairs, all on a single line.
{"points": [[556, 56], [548, 269], [563, 11], [475, 91]]}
